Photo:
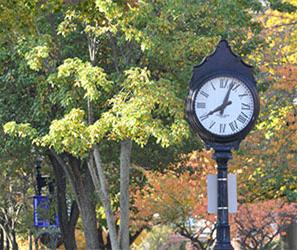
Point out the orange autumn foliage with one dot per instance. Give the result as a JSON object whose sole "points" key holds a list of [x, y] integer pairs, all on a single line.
{"points": [[259, 224], [287, 75], [178, 194], [266, 164]]}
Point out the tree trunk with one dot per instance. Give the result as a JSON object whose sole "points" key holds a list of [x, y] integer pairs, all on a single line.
{"points": [[7, 242], [36, 243], [6, 238], [14, 243], [292, 235], [30, 240], [289, 241], [86, 202], [125, 158], [83, 189], [1, 239], [100, 182], [67, 223]]}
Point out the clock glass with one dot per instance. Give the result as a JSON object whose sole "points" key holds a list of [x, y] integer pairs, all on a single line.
{"points": [[224, 105]]}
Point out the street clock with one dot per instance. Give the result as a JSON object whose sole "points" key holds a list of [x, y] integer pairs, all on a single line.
{"points": [[222, 108], [223, 104]]}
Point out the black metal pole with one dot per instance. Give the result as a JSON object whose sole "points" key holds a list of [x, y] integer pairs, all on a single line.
{"points": [[222, 156]]}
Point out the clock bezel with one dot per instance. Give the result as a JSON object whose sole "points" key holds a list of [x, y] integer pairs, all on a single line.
{"points": [[205, 134]]}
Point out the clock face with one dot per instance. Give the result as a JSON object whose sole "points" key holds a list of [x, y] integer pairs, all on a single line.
{"points": [[224, 105]]}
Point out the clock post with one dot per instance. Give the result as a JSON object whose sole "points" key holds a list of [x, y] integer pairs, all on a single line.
{"points": [[221, 108], [222, 156]]}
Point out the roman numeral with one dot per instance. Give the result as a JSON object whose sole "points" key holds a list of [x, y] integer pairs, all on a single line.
{"points": [[211, 125], [200, 105], [222, 128], [203, 117], [245, 106], [233, 125], [223, 83], [204, 94], [212, 86], [242, 117], [242, 95], [235, 86]]}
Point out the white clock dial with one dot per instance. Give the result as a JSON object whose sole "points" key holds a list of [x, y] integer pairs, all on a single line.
{"points": [[224, 105]]}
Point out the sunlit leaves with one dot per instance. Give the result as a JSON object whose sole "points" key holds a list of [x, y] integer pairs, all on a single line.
{"points": [[68, 134], [69, 23], [281, 34], [93, 23], [36, 56], [23, 130], [146, 108], [110, 9], [91, 79]]}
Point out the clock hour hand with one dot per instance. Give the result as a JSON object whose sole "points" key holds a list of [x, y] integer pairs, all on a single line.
{"points": [[219, 108], [225, 101]]}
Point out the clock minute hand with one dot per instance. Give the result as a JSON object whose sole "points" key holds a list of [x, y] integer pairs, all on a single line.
{"points": [[225, 101]]}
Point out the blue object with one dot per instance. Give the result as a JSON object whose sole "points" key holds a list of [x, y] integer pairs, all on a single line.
{"points": [[57, 220], [42, 213]]}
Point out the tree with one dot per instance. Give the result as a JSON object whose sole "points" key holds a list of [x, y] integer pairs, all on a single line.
{"points": [[271, 150], [267, 158], [178, 198], [260, 228], [67, 221], [18, 98], [15, 199]]}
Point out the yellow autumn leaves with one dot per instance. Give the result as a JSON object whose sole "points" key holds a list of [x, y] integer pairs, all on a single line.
{"points": [[137, 112]]}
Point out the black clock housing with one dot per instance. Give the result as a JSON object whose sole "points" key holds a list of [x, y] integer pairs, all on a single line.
{"points": [[221, 63]]}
